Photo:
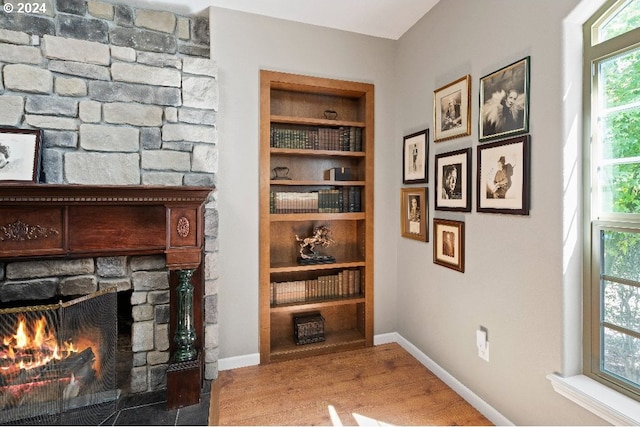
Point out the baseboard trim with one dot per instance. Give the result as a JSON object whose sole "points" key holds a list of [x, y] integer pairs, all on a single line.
{"points": [[474, 400]]}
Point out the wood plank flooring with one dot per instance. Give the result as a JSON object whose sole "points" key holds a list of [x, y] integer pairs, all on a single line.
{"points": [[383, 383]]}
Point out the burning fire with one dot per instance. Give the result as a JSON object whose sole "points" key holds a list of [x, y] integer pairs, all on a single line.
{"points": [[32, 346]]}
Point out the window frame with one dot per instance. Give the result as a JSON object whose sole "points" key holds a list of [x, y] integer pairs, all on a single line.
{"points": [[594, 222]]}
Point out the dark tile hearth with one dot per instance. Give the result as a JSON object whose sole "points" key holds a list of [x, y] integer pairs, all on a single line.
{"points": [[150, 409]]}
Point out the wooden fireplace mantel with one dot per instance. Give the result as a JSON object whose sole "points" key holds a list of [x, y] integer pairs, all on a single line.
{"points": [[72, 221]]}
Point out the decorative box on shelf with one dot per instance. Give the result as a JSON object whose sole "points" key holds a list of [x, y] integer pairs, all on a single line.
{"points": [[338, 174], [308, 328]]}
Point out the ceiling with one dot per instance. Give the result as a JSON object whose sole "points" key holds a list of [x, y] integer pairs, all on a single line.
{"points": [[381, 18]]}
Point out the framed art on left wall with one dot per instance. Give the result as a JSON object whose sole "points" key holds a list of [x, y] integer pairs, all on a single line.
{"points": [[19, 155]]}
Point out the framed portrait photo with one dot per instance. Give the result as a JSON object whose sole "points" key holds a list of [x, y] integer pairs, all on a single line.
{"points": [[414, 210], [504, 102], [415, 156], [453, 181], [448, 244], [19, 155], [451, 112], [503, 176]]}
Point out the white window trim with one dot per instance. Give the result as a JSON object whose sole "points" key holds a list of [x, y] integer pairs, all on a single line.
{"points": [[597, 398]]}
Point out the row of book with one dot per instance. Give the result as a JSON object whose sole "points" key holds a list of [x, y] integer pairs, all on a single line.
{"points": [[338, 200], [345, 284], [345, 138]]}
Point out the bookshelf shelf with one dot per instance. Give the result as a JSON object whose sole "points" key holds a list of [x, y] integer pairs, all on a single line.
{"points": [[297, 138]]}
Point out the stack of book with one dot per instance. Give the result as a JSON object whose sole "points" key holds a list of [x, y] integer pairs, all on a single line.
{"points": [[336, 200], [345, 138], [345, 284]]}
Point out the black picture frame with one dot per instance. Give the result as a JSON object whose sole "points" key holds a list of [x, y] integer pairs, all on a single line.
{"points": [[19, 155], [415, 158], [504, 102], [452, 180], [503, 178]]}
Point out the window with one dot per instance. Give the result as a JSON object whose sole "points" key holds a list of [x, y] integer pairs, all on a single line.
{"points": [[612, 285]]}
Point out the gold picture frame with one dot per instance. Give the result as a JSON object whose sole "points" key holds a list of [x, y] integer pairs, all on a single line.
{"points": [[452, 110], [414, 212], [448, 244]]}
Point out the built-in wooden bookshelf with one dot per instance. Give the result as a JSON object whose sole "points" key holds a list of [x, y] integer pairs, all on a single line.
{"points": [[308, 126]]}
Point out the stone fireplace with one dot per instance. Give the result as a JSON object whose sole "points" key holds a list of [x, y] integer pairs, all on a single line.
{"points": [[123, 96]]}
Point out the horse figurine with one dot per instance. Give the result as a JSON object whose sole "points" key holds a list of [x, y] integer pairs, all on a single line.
{"points": [[308, 245]]}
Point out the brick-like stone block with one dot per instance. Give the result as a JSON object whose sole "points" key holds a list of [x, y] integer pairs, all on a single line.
{"points": [[14, 37], [52, 165], [162, 60], [196, 116], [166, 160], [12, 110], [157, 357], [135, 73], [102, 168], [49, 268], [100, 10], [211, 222], [138, 298], [20, 54], [162, 337], [30, 24], [211, 370], [56, 106], [60, 138], [95, 30], [113, 266], [211, 338], [158, 297], [27, 78], [139, 378], [140, 39], [200, 66], [132, 114], [150, 280], [205, 158], [90, 71], [77, 7], [200, 92], [211, 268], [200, 30], [150, 262], [121, 284], [211, 309], [67, 49], [162, 178], [193, 50], [188, 132], [142, 336], [142, 312], [122, 53], [70, 86], [158, 377], [183, 28], [171, 114], [155, 20], [127, 92], [199, 179], [140, 359], [163, 313], [123, 15], [51, 122], [78, 285], [36, 289], [109, 138], [90, 111]]}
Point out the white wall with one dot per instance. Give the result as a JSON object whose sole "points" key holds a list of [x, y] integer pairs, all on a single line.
{"points": [[516, 266], [242, 44], [522, 272]]}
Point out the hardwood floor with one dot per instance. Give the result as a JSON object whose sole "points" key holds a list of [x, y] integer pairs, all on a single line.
{"points": [[382, 383]]}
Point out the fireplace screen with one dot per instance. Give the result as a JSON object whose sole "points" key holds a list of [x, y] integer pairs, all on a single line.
{"points": [[58, 362]]}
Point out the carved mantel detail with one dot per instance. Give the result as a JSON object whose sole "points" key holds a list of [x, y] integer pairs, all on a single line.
{"points": [[19, 231], [183, 227]]}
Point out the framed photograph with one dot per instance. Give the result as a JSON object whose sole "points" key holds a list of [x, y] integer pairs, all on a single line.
{"points": [[414, 210], [503, 176], [453, 181], [451, 112], [504, 102], [19, 155], [415, 156], [448, 244]]}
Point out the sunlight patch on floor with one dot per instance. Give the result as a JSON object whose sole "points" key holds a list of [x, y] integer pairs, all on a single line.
{"points": [[360, 419]]}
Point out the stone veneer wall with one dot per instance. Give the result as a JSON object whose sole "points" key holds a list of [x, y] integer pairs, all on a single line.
{"points": [[123, 96]]}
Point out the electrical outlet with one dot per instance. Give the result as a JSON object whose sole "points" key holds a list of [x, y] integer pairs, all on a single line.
{"points": [[482, 343]]}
